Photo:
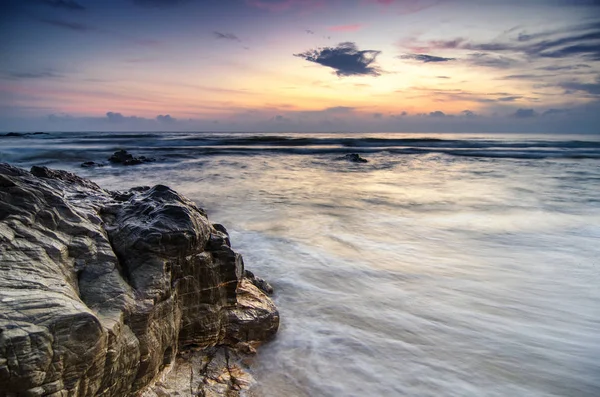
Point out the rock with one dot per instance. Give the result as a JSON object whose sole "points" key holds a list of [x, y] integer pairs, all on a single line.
{"points": [[106, 293], [125, 158], [355, 158], [90, 164], [259, 283]]}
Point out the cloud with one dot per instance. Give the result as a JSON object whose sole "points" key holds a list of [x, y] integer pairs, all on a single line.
{"points": [[490, 60], [437, 113], [468, 114], [165, 119], [345, 59], [555, 68], [339, 109], [509, 98], [226, 36], [160, 3], [590, 88], [115, 117], [346, 28], [34, 75], [426, 58], [78, 27], [574, 41], [64, 4], [524, 113], [551, 112], [281, 119], [284, 5]]}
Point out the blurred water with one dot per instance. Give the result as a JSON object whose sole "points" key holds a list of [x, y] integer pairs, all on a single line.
{"points": [[423, 274]]}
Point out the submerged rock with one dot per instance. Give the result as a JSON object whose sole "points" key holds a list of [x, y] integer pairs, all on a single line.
{"points": [[125, 158], [355, 158], [90, 164], [119, 294]]}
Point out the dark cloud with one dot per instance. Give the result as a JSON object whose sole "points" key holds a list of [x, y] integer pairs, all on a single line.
{"points": [[165, 118], [524, 113], [115, 117], [64, 4], [555, 68], [34, 75], [508, 98], [345, 59], [551, 112], [590, 88], [426, 58], [579, 40], [78, 27], [490, 60], [281, 119], [226, 36], [437, 113], [468, 114], [442, 77], [160, 3]]}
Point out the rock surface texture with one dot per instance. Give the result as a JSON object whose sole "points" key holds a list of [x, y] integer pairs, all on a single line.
{"points": [[120, 293]]}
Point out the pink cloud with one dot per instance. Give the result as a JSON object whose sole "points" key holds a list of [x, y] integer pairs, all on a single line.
{"points": [[346, 28]]}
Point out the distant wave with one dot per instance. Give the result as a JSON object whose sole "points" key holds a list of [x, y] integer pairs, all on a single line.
{"points": [[190, 145]]}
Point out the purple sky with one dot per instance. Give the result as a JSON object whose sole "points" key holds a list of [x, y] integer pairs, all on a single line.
{"points": [[301, 65]]}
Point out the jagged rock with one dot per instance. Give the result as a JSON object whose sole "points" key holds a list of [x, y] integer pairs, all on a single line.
{"points": [[355, 158], [259, 283], [125, 158], [100, 291]]}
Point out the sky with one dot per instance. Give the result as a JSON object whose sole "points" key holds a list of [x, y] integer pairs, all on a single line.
{"points": [[300, 65]]}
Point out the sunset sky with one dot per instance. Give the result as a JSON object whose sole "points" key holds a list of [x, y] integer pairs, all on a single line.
{"points": [[300, 65]]}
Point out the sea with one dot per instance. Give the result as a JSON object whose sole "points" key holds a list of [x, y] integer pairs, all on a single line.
{"points": [[446, 265]]}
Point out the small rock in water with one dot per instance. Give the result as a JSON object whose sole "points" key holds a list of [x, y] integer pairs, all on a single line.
{"points": [[89, 164], [355, 158], [125, 158]]}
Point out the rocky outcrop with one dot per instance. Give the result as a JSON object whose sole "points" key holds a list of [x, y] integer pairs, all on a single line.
{"points": [[116, 293]]}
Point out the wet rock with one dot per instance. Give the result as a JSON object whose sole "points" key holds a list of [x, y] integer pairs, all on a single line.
{"points": [[125, 158], [104, 293], [355, 158], [90, 164], [259, 283]]}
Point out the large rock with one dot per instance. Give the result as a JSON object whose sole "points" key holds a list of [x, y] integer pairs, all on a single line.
{"points": [[100, 291]]}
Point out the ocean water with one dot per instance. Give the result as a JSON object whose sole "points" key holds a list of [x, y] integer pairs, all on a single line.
{"points": [[448, 265]]}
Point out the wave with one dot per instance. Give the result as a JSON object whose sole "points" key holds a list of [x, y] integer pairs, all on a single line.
{"points": [[189, 145]]}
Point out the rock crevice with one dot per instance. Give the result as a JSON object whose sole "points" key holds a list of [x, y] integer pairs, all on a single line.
{"points": [[105, 293]]}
